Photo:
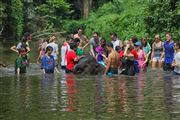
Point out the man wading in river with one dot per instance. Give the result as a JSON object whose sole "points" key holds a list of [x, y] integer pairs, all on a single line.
{"points": [[113, 60]]}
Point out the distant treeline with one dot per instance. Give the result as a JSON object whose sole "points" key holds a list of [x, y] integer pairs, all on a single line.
{"points": [[125, 17]]}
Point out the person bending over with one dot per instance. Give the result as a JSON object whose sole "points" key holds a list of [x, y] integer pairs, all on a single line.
{"points": [[72, 58]]}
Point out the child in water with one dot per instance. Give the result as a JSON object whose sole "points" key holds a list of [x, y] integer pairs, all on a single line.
{"points": [[21, 62], [47, 61]]}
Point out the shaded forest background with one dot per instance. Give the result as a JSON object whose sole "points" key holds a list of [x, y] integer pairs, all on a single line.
{"points": [[125, 17]]}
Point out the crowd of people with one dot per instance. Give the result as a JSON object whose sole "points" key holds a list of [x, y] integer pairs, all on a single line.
{"points": [[118, 57]]}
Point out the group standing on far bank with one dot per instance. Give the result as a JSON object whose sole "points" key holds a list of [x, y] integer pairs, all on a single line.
{"points": [[117, 57]]}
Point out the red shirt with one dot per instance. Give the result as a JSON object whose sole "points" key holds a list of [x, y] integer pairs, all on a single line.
{"points": [[121, 54], [134, 53], [71, 55]]}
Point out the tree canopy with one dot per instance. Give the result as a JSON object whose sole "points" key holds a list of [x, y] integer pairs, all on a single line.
{"points": [[125, 17]]}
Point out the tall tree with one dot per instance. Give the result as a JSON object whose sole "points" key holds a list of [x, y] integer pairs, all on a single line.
{"points": [[17, 18], [162, 16]]}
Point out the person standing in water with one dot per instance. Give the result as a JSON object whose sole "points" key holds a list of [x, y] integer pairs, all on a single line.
{"points": [[113, 60], [142, 57], [157, 52], [168, 53], [176, 62], [47, 61], [21, 62], [23, 44]]}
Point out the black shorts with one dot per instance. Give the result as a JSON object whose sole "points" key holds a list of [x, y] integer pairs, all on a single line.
{"points": [[167, 67]]}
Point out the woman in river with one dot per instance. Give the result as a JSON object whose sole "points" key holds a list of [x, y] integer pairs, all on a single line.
{"points": [[128, 61], [146, 47], [157, 52], [142, 57]]}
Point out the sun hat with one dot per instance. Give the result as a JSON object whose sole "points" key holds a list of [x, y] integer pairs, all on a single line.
{"points": [[137, 43]]}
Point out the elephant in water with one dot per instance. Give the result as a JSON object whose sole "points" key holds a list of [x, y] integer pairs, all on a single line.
{"points": [[88, 65]]}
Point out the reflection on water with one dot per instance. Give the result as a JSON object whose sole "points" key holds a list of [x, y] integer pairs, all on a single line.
{"points": [[146, 96], [68, 93], [154, 95]]}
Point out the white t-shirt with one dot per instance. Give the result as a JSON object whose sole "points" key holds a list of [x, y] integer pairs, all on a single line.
{"points": [[116, 43], [55, 48], [64, 50], [177, 60]]}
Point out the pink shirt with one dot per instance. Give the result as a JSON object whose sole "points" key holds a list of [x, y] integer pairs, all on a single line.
{"points": [[141, 59]]}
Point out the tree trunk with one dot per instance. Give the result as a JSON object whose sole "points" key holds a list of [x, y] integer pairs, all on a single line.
{"points": [[85, 9]]}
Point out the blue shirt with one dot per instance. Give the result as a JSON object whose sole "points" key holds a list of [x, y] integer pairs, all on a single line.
{"points": [[169, 52], [147, 48], [48, 64], [99, 57]]}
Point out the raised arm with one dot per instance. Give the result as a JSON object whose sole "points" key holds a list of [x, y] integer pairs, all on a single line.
{"points": [[13, 48], [149, 47]]}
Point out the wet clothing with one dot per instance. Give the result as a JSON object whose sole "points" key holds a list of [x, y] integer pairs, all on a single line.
{"points": [[48, 64], [112, 71], [157, 50], [169, 52], [21, 63], [129, 67], [169, 55], [71, 55], [167, 67], [141, 59]]}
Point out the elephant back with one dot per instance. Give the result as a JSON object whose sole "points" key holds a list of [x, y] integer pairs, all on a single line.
{"points": [[88, 65]]}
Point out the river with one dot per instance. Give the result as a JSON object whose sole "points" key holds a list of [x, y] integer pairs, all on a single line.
{"points": [[154, 95]]}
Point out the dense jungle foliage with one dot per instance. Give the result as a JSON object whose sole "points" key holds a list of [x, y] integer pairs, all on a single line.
{"points": [[125, 17]]}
